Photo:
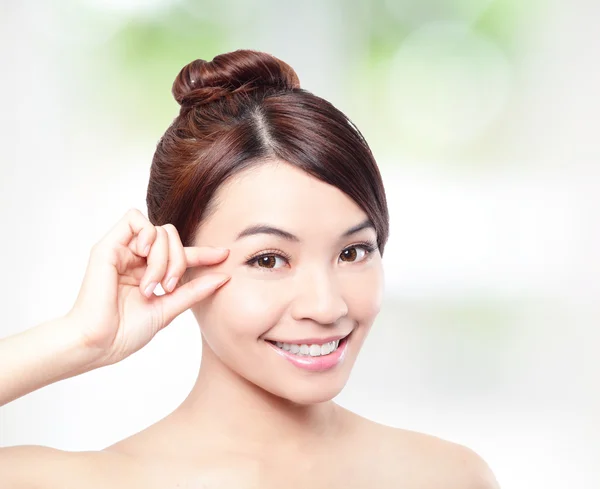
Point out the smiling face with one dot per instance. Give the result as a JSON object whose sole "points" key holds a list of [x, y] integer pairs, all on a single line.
{"points": [[305, 270]]}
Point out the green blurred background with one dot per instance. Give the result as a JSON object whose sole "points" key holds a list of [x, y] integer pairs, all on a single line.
{"points": [[482, 116]]}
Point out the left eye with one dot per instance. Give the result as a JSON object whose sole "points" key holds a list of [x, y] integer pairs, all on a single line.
{"points": [[268, 261], [354, 253]]}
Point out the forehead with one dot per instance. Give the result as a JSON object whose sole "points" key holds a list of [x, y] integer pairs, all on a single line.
{"points": [[279, 194]]}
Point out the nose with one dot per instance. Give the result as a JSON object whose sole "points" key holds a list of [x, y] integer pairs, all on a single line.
{"points": [[317, 296]]}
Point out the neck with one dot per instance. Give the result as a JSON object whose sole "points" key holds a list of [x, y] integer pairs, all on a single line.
{"points": [[228, 409]]}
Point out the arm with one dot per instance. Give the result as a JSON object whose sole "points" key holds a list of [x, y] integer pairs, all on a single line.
{"points": [[115, 313], [40, 356]]}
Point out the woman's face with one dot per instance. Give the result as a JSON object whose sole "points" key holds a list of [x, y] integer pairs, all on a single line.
{"points": [[305, 270]]}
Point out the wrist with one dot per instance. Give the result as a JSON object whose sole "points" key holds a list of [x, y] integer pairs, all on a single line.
{"points": [[42, 355], [75, 355]]}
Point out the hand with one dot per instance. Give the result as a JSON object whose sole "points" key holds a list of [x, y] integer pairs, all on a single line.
{"points": [[116, 308]]}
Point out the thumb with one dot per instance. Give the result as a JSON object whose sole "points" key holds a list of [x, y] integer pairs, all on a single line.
{"points": [[184, 297]]}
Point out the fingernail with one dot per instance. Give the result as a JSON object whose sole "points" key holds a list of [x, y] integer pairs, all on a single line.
{"points": [[146, 250], [150, 289], [171, 284]]}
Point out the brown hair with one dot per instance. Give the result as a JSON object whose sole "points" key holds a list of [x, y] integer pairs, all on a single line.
{"points": [[241, 109]]}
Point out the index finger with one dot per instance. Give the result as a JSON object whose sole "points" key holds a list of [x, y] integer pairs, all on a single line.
{"points": [[196, 256], [132, 224]]}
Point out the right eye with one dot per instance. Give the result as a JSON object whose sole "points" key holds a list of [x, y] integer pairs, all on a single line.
{"points": [[268, 261]]}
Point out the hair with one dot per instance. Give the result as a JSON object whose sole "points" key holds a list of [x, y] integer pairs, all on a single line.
{"points": [[244, 108]]}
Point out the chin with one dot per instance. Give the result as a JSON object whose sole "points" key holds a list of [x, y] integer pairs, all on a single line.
{"points": [[305, 390], [309, 380], [311, 395]]}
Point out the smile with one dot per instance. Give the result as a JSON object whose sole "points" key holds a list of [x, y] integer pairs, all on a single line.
{"points": [[312, 357], [309, 350]]}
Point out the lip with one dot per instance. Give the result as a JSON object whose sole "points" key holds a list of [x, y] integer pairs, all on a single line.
{"points": [[310, 341], [315, 364]]}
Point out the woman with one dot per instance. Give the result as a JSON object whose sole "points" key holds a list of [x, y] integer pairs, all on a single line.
{"points": [[268, 218]]}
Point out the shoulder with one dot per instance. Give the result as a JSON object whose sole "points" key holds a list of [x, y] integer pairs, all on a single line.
{"points": [[16, 463], [58, 468], [410, 459], [441, 463]]}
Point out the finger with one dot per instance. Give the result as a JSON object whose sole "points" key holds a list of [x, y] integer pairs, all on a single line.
{"points": [[140, 244], [133, 246], [144, 240], [204, 255], [177, 259], [107, 265], [157, 262], [130, 265], [189, 294], [132, 224]]}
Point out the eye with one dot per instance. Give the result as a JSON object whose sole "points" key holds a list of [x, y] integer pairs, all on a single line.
{"points": [[269, 261], [357, 253]]}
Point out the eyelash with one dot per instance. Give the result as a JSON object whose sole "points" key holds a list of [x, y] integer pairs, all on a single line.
{"points": [[368, 246]]}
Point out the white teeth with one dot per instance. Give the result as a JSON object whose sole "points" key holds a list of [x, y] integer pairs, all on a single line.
{"points": [[309, 350]]}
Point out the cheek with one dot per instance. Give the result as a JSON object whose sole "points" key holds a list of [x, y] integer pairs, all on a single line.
{"points": [[242, 307], [364, 294]]}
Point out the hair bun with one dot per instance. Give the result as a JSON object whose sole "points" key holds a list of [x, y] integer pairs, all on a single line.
{"points": [[201, 82]]}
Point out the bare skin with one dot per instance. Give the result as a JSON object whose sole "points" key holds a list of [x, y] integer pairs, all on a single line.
{"points": [[253, 419], [367, 455]]}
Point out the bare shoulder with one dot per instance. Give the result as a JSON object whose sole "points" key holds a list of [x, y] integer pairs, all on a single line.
{"points": [[440, 463], [38, 467], [409, 459]]}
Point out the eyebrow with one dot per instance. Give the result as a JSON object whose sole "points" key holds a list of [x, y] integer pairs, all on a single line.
{"points": [[280, 233]]}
